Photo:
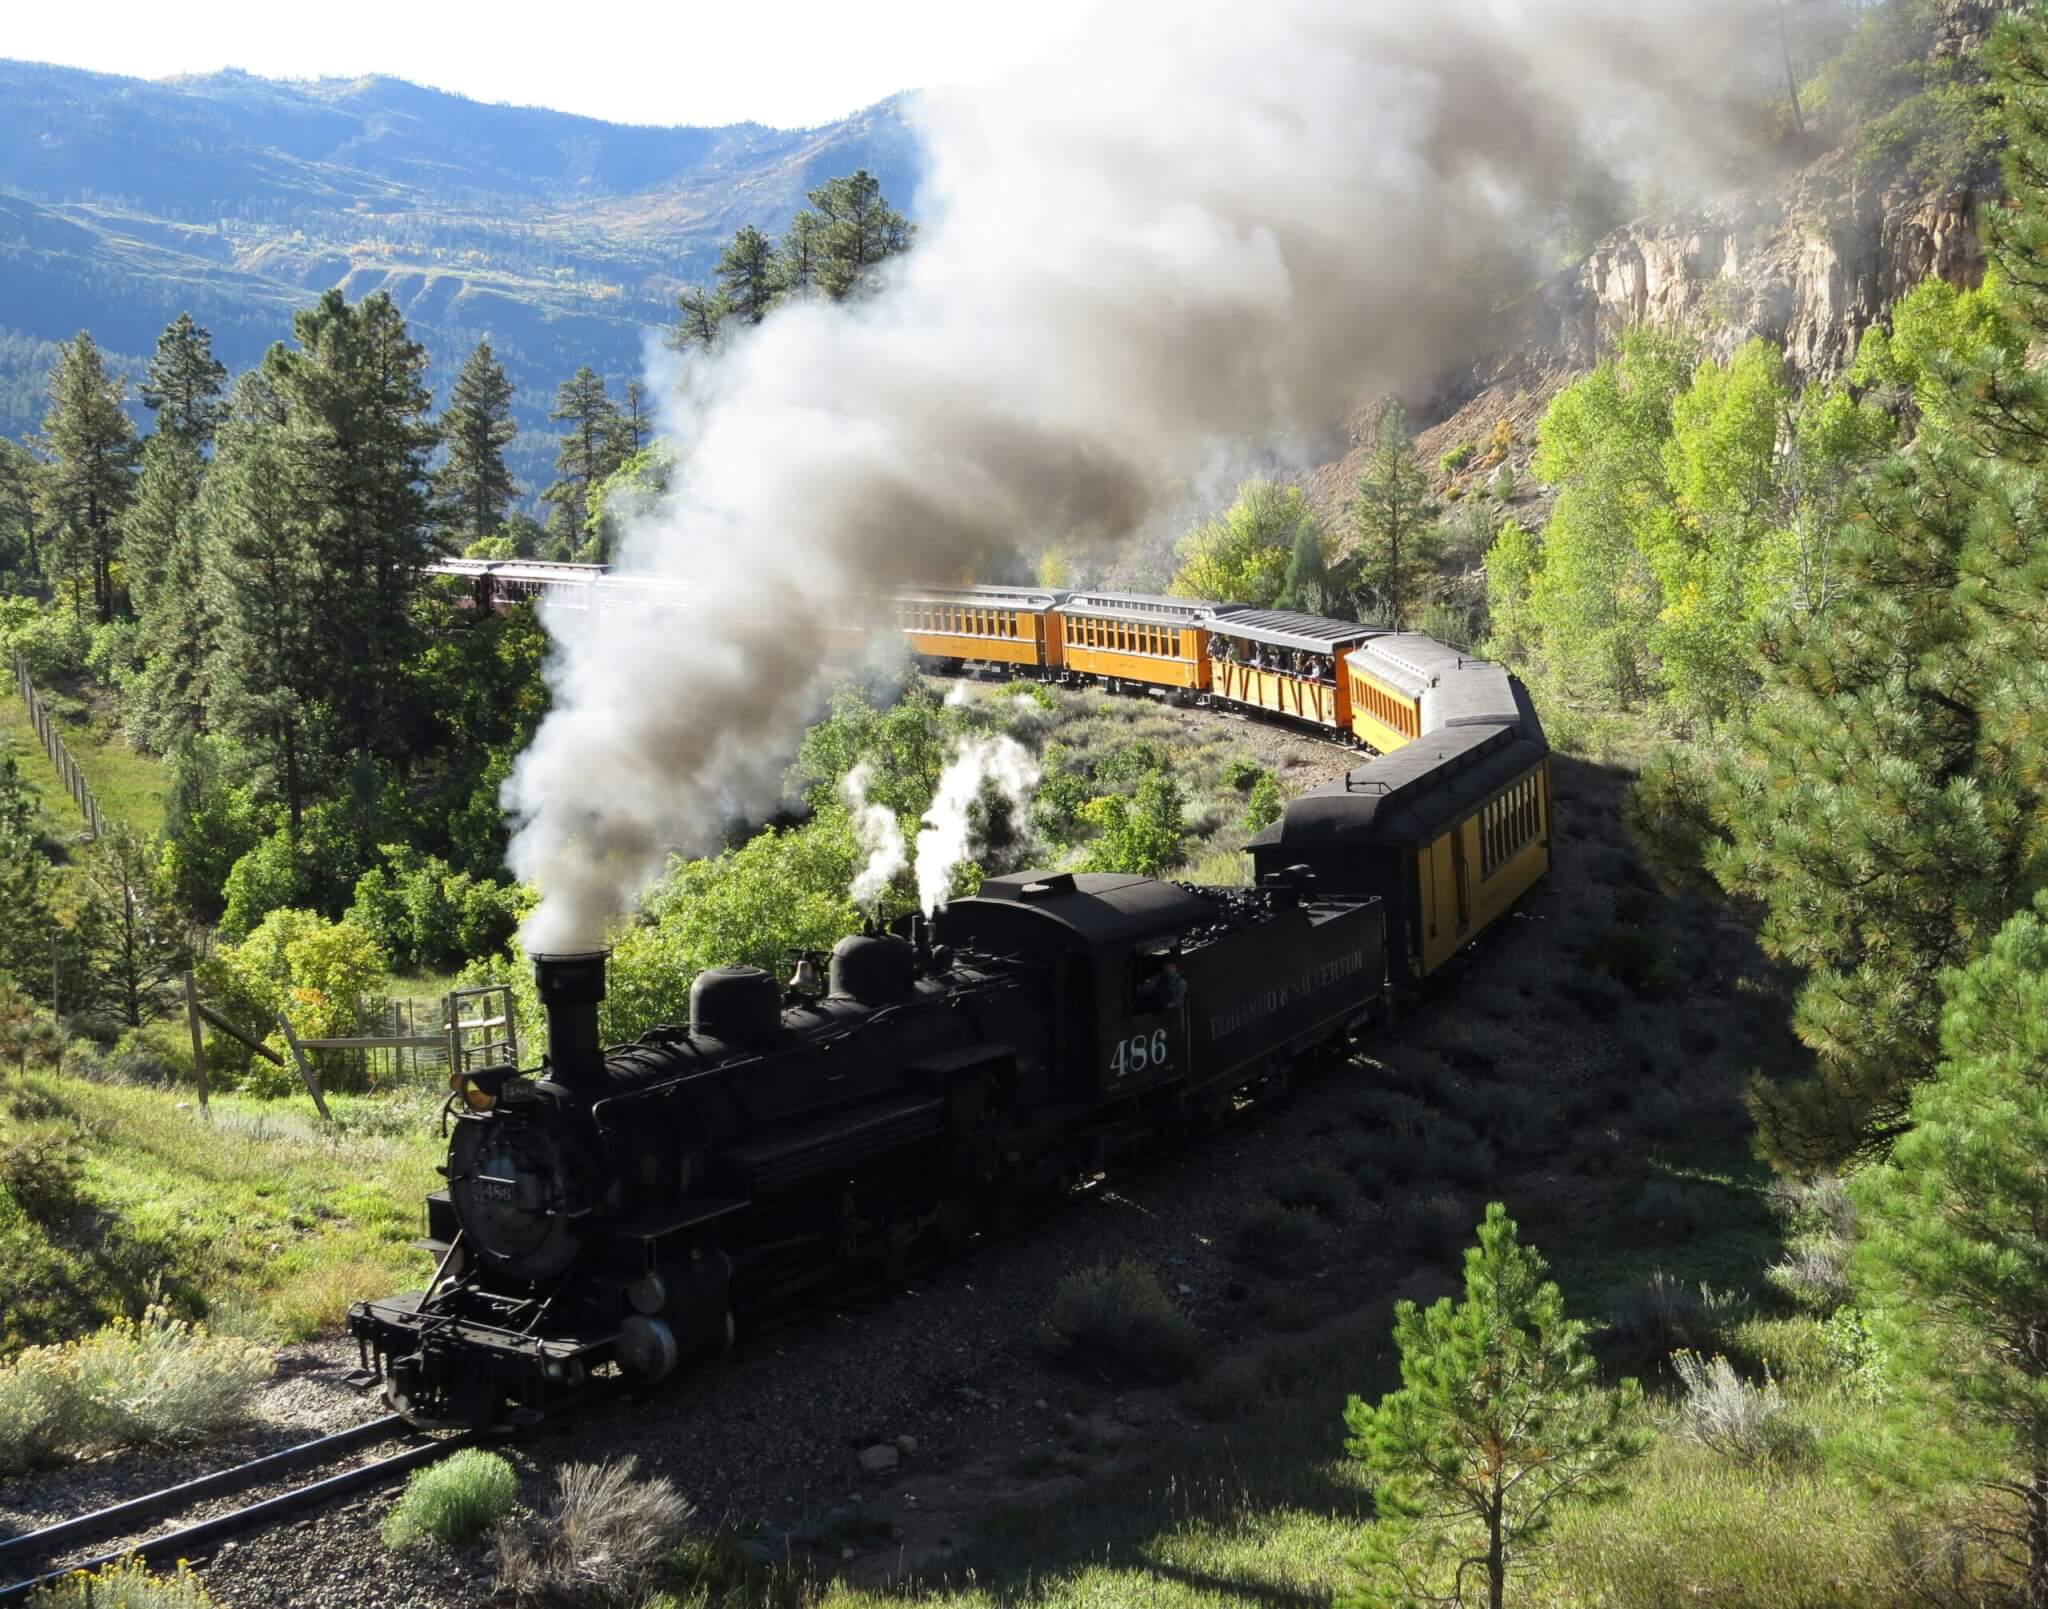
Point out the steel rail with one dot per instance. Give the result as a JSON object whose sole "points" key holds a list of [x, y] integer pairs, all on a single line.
{"points": [[191, 1539], [37, 1544]]}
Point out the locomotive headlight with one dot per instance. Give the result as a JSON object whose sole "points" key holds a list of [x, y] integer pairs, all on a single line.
{"points": [[474, 1095]]}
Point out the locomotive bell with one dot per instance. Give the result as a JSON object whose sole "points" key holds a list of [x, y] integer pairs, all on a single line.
{"points": [[570, 988]]}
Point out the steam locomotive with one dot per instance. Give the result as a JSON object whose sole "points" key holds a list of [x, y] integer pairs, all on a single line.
{"points": [[637, 1206], [630, 1209]]}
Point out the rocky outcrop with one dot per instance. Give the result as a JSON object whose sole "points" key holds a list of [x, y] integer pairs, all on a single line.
{"points": [[1809, 261], [1808, 266]]}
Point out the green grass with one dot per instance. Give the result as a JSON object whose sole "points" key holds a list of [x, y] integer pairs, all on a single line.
{"points": [[58, 818], [254, 1213], [129, 787]]}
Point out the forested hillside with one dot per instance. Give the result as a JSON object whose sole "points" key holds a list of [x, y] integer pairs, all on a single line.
{"points": [[237, 199], [1752, 493]]}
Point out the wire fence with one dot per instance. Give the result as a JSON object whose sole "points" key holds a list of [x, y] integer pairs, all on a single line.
{"points": [[67, 768]]}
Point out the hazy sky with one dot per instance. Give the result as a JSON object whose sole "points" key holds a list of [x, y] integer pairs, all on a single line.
{"points": [[784, 62]]}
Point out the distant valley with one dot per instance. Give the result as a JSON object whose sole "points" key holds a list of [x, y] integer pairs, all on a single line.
{"points": [[124, 202]]}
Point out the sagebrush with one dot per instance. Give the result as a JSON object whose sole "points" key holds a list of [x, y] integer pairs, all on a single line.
{"points": [[598, 1543], [159, 1379], [1116, 1319], [1740, 1419]]}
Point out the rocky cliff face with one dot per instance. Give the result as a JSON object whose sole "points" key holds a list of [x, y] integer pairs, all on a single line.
{"points": [[1809, 262], [1808, 265]]}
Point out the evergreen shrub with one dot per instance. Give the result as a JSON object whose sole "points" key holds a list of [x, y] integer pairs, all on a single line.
{"points": [[456, 1500], [1314, 1185], [1116, 1319], [1272, 1236]]}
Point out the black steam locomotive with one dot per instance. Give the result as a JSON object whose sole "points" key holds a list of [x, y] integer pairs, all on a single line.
{"points": [[634, 1206]]}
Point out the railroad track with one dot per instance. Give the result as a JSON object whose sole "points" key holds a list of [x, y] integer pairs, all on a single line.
{"points": [[39, 1551]]}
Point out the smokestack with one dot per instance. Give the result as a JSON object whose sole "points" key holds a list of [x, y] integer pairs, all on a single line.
{"points": [[571, 986]]}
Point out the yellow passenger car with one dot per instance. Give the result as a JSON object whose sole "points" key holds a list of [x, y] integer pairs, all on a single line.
{"points": [[992, 625], [1448, 830], [1287, 663], [1137, 637], [1473, 870]]}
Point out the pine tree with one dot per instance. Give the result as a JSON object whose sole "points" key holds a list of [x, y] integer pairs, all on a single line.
{"points": [[1306, 587], [1394, 520], [798, 255], [1496, 1427], [89, 476], [473, 487], [354, 445], [701, 314], [633, 422], [159, 541], [17, 508], [161, 558], [269, 675], [746, 276], [1888, 803], [134, 945], [185, 385], [589, 447], [861, 231], [28, 921], [1953, 1263]]}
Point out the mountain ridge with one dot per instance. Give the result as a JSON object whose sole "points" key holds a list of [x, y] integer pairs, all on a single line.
{"points": [[562, 238]]}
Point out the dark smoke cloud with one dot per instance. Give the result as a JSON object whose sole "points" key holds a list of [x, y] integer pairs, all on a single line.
{"points": [[1171, 239]]}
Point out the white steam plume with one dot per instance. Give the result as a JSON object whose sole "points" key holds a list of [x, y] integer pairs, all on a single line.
{"points": [[945, 838], [1187, 233], [879, 835]]}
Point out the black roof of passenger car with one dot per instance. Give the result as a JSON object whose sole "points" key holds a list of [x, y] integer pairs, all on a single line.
{"points": [[1288, 629], [1404, 797]]}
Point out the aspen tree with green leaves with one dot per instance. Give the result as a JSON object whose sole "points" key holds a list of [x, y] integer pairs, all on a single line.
{"points": [[1245, 554]]}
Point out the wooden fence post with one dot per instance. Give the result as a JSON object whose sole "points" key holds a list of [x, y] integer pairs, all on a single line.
{"points": [[305, 1068], [198, 1038]]}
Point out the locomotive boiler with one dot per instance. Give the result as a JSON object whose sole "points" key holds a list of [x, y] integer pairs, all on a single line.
{"points": [[623, 1210]]}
